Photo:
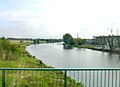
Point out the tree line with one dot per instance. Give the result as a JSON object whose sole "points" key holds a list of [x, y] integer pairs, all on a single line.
{"points": [[37, 41]]}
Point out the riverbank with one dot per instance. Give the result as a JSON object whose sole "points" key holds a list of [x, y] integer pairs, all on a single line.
{"points": [[25, 60], [99, 49]]}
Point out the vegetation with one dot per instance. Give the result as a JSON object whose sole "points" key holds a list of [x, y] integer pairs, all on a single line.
{"points": [[69, 40], [14, 55], [79, 41], [37, 41], [8, 51]]}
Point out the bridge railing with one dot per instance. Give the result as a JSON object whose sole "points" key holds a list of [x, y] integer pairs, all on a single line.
{"points": [[59, 77]]}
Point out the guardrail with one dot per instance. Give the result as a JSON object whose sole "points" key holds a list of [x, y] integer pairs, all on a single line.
{"points": [[59, 77]]}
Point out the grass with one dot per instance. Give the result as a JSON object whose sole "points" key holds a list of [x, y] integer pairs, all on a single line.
{"points": [[86, 46], [32, 78]]}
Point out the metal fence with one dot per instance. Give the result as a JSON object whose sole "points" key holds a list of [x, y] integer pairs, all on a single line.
{"points": [[59, 77]]}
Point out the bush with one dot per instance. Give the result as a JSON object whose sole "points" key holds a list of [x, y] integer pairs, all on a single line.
{"points": [[8, 51]]}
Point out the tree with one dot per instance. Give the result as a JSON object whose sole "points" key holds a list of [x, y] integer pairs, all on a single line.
{"points": [[81, 41], [68, 39]]}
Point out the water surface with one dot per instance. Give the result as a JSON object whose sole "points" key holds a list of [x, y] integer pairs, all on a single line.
{"points": [[54, 55]]}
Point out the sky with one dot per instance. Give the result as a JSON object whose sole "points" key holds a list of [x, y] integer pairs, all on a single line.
{"points": [[54, 18]]}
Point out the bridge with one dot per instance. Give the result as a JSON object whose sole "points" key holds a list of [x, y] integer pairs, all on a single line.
{"points": [[64, 77]]}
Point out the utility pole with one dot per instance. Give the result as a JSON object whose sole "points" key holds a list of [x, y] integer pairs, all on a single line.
{"points": [[111, 30], [77, 40], [77, 36], [117, 31]]}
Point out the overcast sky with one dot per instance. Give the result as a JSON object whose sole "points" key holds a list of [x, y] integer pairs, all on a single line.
{"points": [[53, 18]]}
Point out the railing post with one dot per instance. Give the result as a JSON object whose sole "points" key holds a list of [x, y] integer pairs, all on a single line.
{"points": [[65, 79], [3, 78]]}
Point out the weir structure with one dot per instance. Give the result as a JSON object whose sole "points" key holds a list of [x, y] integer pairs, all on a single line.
{"points": [[110, 42]]}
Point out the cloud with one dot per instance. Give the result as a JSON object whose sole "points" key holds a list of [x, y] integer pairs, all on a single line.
{"points": [[56, 17]]}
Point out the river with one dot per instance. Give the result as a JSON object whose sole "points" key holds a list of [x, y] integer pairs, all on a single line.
{"points": [[54, 55]]}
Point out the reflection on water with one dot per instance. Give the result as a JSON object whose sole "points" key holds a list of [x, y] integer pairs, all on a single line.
{"points": [[54, 55]]}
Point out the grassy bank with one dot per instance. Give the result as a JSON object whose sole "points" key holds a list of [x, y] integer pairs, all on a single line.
{"points": [[28, 78]]}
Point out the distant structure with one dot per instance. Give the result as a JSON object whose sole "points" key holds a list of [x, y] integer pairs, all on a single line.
{"points": [[111, 30], [117, 31], [108, 42], [77, 35]]}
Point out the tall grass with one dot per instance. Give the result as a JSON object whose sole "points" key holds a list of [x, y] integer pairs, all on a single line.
{"points": [[14, 55]]}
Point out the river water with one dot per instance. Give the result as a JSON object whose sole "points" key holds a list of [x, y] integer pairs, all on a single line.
{"points": [[54, 55]]}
